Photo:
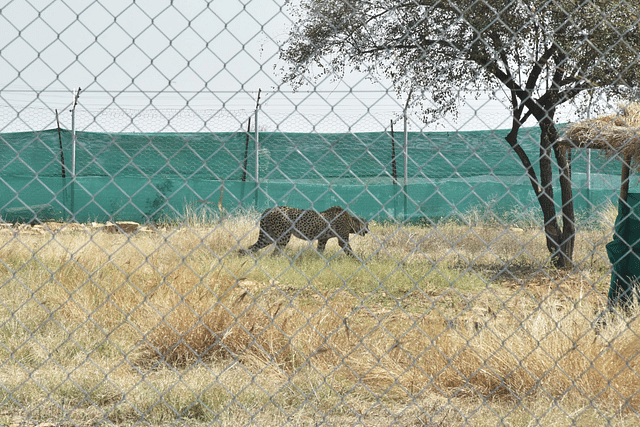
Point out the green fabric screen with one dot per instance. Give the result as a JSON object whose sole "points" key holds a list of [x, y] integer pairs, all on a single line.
{"points": [[624, 251], [144, 177]]}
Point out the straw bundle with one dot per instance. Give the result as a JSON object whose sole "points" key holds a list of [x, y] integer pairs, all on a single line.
{"points": [[616, 134]]}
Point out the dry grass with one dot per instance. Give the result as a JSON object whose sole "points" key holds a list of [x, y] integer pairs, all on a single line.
{"points": [[616, 134], [442, 324]]}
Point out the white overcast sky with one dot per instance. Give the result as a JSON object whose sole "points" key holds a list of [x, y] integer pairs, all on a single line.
{"points": [[190, 57]]}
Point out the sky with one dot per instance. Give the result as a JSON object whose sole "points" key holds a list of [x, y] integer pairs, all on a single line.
{"points": [[186, 65]]}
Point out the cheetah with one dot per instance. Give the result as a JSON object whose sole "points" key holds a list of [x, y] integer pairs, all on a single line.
{"points": [[278, 224]]}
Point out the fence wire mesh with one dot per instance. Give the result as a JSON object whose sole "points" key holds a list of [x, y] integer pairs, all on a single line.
{"points": [[466, 167]]}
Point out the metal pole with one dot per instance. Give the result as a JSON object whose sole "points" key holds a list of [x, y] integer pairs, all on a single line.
{"points": [[74, 139], [64, 174], [588, 168], [589, 153], [246, 152], [257, 136], [405, 154], [76, 94], [405, 149], [394, 170]]}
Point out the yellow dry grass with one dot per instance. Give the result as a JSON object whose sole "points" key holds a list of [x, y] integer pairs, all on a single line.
{"points": [[443, 324]]}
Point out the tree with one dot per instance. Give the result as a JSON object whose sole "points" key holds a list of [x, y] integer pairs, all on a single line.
{"points": [[542, 53]]}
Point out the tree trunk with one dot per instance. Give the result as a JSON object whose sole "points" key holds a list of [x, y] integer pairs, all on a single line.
{"points": [[545, 198], [563, 258], [560, 242]]}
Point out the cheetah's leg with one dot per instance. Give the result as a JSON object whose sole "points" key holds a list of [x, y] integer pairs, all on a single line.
{"points": [[264, 240], [344, 244], [282, 242], [322, 244]]}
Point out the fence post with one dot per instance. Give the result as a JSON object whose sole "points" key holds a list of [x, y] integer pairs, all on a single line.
{"points": [[405, 152], [589, 173], [63, 167], [245, 164], [405, 148], [394, 173], [589, 154], [74, 140], [257, 137], [246, 152]]}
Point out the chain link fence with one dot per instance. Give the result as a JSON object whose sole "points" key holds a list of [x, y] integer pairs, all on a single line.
{"points": [[469, 165]]}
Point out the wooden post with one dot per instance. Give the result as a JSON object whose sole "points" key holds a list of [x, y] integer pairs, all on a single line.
{"points": [[220, 206]]}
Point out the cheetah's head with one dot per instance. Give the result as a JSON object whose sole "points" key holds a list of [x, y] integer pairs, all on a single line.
{"points": [[359, 226]]}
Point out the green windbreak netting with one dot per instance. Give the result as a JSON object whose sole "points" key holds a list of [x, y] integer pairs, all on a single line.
{"points": [[144, 177], [624, 251]]}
